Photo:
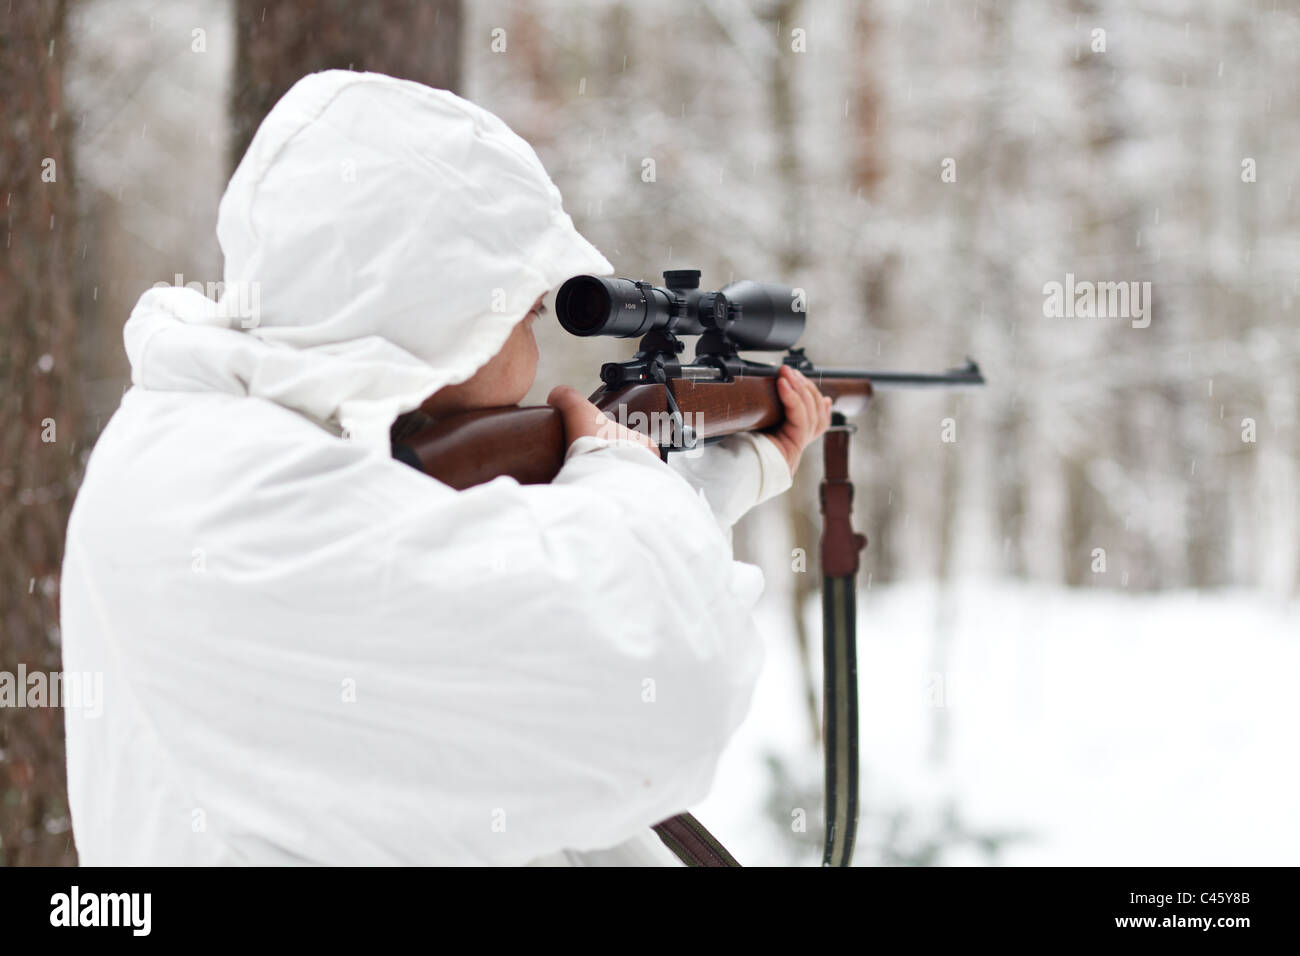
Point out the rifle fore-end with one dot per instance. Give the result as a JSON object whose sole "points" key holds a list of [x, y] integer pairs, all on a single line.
{"points": [[528, 444]]}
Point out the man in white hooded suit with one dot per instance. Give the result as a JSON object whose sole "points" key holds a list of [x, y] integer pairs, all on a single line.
{"points": [[313, 653]]}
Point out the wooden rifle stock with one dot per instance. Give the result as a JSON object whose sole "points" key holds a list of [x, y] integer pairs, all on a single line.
{"points": [[528, 443]]}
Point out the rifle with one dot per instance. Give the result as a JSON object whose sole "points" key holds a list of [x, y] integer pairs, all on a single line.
{"points": [[681, 406]]}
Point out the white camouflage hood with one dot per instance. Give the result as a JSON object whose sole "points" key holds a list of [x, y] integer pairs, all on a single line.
{"points": [[381, 239]]}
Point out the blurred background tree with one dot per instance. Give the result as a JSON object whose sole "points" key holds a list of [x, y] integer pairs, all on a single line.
{"points": [[278, 43], [39, 369]]}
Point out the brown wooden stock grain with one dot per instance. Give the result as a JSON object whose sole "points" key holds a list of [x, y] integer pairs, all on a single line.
{"points": [[528, 444]]}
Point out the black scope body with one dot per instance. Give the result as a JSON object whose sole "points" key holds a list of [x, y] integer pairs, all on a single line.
{"points": [[762, 316]]}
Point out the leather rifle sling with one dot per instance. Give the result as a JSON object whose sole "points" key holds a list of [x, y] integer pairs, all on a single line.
{"points": [[693, 844], [839, 555], [840, 544]]}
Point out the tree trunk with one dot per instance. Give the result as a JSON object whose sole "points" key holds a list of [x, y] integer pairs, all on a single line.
{"points": [[804, 530], [41, 402], [279, 43]]}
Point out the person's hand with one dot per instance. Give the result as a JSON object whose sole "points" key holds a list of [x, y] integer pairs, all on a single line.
{"points": [[581, 418], [807, 415]]}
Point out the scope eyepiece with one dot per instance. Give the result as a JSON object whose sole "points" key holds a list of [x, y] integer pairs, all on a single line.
{"points": [[760, 316]]}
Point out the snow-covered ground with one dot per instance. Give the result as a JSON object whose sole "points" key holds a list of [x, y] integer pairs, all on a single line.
{"points": [[1083, 727]]}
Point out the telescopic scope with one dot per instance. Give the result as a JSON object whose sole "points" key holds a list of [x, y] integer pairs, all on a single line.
{"points": [[761, 316]]}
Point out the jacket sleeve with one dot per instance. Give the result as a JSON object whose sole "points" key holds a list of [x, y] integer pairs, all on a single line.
{"points": [[483, 677], [735, 474]]}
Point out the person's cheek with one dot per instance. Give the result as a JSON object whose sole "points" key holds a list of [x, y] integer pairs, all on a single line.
{"points": [[528, 357], [533, 352]]}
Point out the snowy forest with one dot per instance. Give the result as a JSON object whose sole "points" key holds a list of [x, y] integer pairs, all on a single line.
{"points": [[1079, 598]]}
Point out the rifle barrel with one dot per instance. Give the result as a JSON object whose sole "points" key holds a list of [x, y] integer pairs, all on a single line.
{"points": [[968, 374]]}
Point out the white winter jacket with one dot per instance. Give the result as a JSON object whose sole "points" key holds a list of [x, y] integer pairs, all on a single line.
{"points": [[312, 653]]}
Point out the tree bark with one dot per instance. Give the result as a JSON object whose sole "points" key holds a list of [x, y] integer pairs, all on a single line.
{"points": [[279, 43], [790, 259], [41, 402]]}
